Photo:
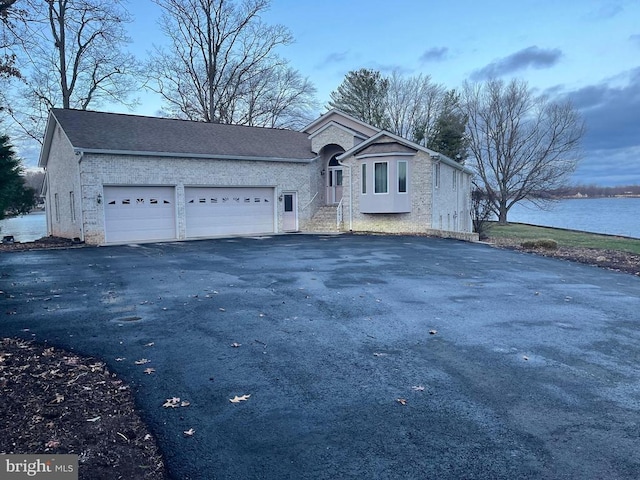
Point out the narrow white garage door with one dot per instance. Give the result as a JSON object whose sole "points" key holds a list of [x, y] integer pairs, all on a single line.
{"points": [[215, 211], [139, 213]]}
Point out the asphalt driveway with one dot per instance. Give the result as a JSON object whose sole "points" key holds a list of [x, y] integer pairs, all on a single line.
{"points": [[532, 372]]}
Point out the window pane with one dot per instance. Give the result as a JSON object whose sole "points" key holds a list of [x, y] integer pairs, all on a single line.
{"points": [[338, 178], [380, 173], [364, 178], [288, 203], [402, 177]]}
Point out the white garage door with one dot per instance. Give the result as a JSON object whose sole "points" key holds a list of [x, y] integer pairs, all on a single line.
{"points": [[215, 211], [137, 213]]}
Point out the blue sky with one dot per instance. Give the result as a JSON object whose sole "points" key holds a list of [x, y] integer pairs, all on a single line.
{"points": [[587, 51]]}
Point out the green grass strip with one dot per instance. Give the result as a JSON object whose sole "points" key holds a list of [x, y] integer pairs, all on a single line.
{"points": [[565, 238]]}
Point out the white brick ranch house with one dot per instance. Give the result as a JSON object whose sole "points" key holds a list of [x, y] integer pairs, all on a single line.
{"points": [[114, 178]]}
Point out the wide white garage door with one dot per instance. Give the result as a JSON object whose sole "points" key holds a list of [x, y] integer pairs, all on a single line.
{"points": [[215, 211], [139, 213]]}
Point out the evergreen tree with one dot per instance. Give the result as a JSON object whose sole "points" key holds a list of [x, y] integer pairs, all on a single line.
{"points": [[363, 95], [449, 136], [15, 198]]}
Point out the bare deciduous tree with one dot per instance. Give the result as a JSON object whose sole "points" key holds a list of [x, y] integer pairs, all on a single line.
{"points": [[71, 56], [523, 144], [221, 65], [7, 39], [413, 105]]}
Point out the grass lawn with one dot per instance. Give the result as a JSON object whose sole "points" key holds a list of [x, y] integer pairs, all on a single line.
{"points": [[565, 238]]}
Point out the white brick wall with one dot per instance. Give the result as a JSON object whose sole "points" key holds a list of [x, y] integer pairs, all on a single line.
{"points": [[443, 210], [63, 181], [451, 206], [333, 135], [99, 170]]}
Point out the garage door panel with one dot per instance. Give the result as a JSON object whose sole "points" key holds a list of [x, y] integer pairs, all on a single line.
{"points": [[212, 211], [139, 213]]}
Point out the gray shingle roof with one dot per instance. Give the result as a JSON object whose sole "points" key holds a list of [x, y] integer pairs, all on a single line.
{"points": [[387, 147], [132, 133]]}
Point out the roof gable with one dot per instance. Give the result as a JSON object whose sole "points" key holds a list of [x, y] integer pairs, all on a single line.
{"points": [[341, 118], [386, 147], [397, 140], [111, 132]]}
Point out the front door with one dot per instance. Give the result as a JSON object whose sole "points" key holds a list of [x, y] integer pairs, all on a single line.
{"points": [[290, 215], [334, 186]]}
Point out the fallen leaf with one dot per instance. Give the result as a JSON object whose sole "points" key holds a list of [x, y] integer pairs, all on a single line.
{"points": [[94, 419], [59, 398], [150, 344], [432, 332], [52, 444], [238, 399], [119, 359], [147, 436], [222, 309], [142, 361], [189, 433], [401, 401], [235, 345], [418, 388], [379, 354], [524, 357], [184, 403], [149, 371], [170, 403]]}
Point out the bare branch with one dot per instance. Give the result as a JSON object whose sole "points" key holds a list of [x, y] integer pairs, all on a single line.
{"points": [[523, 145]]}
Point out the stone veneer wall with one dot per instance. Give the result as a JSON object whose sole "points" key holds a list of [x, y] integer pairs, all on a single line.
{"points": [[418, 221]]}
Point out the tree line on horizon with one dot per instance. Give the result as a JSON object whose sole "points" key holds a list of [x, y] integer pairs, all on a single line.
{"points": [[593, 191], [220, 64]]}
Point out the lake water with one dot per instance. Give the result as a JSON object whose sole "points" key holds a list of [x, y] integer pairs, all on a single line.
{"points": [[616, 216], [26, 228]]}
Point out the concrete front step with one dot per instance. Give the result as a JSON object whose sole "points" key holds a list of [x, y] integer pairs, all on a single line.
{"points": [[324, 220]]}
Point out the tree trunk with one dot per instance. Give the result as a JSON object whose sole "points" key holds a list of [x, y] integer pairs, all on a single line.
{"points": [[502, 213]]}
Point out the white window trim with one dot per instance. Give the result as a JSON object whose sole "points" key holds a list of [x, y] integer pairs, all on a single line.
{"points": [[363, 179], [406, 177], [454, 180], [374, 178], [436, 175], [72, 206], [56, 203]]}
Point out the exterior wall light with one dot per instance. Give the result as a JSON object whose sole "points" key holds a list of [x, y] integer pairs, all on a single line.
{"points": [[99, 198]]}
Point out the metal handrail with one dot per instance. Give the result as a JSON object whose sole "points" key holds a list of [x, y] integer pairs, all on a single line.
{"points": [[310, 201], [339, 214]]}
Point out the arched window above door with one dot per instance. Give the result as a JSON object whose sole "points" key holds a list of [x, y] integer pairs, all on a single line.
{"points": [[333, 162]]}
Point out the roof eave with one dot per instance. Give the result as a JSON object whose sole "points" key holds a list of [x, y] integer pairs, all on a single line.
{"points": [[46, 144], [141, 153], [383, 133]]}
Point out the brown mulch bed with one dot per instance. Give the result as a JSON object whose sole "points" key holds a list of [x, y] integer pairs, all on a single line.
{"points": [[55, 402], [42, 243], [610, 259]]}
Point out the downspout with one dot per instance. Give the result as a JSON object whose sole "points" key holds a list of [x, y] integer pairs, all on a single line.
{"points": [[80, 154], [350, 195]]}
